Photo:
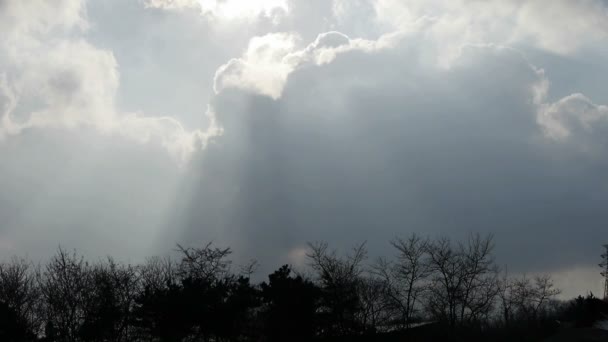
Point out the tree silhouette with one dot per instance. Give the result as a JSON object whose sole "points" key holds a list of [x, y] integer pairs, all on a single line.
{"points": [[12, 327], [20, 299], [65, 285], [291, 306], [113, 293], [451, 288], [405, 277], [464, 281], [340, 280]]}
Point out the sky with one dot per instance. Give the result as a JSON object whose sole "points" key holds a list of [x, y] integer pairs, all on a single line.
{"points": [[127, 126]]}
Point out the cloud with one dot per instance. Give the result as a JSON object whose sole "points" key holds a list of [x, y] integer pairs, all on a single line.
{"points": [[582, 23], [268, 60], [172, 4], [371, 135], [418, 116], [447, 29], [531, 23], [264, 67], [575, 118], [225, 9], [21, 18], [53, 77]]}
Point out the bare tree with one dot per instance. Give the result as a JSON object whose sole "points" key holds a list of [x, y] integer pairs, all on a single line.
{"points": [[65, 285], [375, 309], [340, 279], [208, 263], [526, 299], [404, 279], [444, 291], [480, 278], [114, 290], [19, 291], [544, 292], [533, 297], [157, 273], [464, 284], [506, 295]]}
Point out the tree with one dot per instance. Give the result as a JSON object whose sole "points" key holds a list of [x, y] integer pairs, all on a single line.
{"points": [[65, 286], [506, 295], [196, 299], [533, 297], [404, 279], [374, 311], [113, 292], [340, 281], [208, 263], [464, 282], [480, 279], [12, 327], [291, 303], [19, 298], [159, 304], [525, 300]]}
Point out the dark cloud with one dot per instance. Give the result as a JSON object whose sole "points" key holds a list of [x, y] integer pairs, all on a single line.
{"points": [[373, 146]]}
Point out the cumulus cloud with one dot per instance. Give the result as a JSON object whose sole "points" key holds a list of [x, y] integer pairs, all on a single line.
{"points": [[268, 60], [225, 9], [447, 28], [582, 23], [368, 135], [52, 76], [577, 119], [264, 67]]}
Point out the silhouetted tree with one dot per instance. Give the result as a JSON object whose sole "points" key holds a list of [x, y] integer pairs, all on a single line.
{"points": [[405, 278], [533, 297], [163, 315], [507, 298], [375, 308], [12, 327], [464, 282], [198, 297], [291, 306], [66, 288], [236, 312], [20, 300], [584, 311], [161, 308], [340, 280], [113, 292]]}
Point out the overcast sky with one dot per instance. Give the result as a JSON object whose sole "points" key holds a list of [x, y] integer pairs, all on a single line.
{"points": [[127, 126]]}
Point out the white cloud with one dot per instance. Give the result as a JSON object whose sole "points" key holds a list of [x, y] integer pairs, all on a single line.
{"points": [[581, 23], [573, 119], [562, 26], [577, 119], [172, 4], [445, 28], [225, 9], [52, 77], [18, 18], [265, 66]]}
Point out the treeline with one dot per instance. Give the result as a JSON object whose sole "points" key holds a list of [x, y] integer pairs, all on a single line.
{"points": [[430, 289]]}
